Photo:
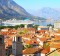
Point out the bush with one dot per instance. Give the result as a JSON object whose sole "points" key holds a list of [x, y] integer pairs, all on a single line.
{"points": [[35, 26], [22, 25], [21, 32], [27, 46]]}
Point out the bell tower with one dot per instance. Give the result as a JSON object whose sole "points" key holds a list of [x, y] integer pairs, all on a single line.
{"points": [[17, 46], [2, 46]]}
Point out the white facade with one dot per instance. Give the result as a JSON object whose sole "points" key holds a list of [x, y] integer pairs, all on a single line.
{"points": [[4, 30], [43, 27], [50, 29], [51, 49], [57, 24], [40, 42], [42, 54]]}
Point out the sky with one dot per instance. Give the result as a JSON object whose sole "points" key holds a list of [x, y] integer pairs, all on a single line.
{"points": [[34, 5]]}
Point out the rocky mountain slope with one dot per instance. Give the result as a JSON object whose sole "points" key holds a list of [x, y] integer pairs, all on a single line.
{"points": [[9, 9]]}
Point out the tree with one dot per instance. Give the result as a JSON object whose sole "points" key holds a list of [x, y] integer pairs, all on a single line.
{"points": [[9, 26], [22, 25], [50, 25], [21, 32], [35, 26], [27, 46]]}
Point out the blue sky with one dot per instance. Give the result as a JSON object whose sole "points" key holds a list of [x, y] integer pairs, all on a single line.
{"points": [[34, 5]]}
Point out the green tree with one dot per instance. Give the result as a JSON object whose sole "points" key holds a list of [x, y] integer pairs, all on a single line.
{"points": [[16, 26], [46, 45], [22, 25], [21, 32], [35, 26], [50, 25], [2, 27], [27, 46], [9, 26]]}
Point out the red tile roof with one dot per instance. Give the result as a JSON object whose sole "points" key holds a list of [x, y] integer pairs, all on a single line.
{"points": [[32, 41], [30, 50], [44, 51], [43, 39]]}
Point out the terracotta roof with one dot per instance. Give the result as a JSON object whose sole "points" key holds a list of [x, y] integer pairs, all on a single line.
{"points": [[58, 31], [32, 41], [55, 45], [28, 36], [43, 39], [41, 31], [57, 38], [10, 32], [44, 51], [6, 29], [30, 50], [8, 42]]}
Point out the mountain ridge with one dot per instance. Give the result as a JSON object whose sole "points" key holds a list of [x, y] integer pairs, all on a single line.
{"points": [[9, 9], [47, 12]]}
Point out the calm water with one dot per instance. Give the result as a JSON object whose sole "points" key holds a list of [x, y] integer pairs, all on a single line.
{"points": [[44, 23]]}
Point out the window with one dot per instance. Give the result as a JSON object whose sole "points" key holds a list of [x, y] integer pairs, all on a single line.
{"points": [[0, 40], [6, 53], [18, 38]]}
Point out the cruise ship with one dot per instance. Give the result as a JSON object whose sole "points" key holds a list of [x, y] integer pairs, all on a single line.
{"points": [[16, 22]]}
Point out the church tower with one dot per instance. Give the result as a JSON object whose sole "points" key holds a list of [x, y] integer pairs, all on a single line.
{"points": [[17, 46], [2, 46]]}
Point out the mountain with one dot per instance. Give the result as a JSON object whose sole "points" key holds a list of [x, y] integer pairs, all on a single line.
{"points": [[9, 9], [48, 13]]}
